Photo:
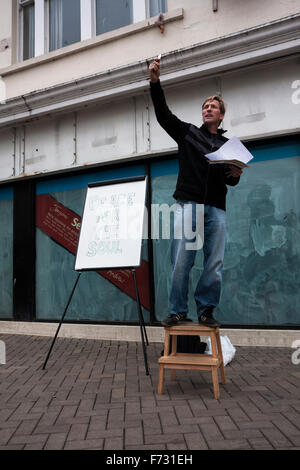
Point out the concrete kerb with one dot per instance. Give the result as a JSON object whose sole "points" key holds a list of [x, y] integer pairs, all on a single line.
{"points": [[238, 337]]}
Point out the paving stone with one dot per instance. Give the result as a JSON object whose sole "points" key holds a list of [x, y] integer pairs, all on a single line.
{"points": [[56, 441], [235, 444], [211, 431], [87, 444], [195, 441], [165, 438], [5, 435], [225, 423], [105, 433], [277, 438], [260, 443], [27, 427], [115, 443], [95, 395], [77, 432], [134, 436], [26, 439]]}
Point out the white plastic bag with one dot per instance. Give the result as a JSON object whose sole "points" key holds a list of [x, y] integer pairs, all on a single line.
{"points": [[228, 349]]}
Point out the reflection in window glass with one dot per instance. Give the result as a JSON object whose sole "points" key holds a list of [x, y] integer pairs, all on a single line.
{"points": [[112, 15], [64, 23], [28, 31], [6, 253], [261, 274], [162, 188], [104, 295], [157, 6]]}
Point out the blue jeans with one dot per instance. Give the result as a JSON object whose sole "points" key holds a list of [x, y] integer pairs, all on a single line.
{"points": [[208, 289]]}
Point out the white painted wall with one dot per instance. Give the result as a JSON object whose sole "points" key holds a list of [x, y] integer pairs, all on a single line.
{"points": [[5, 33], [260, 102], [7, 161], [106, 132], [199, 24], [49, 144]]}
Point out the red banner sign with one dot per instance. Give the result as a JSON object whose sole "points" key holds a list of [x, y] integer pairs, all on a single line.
{"points": [[63, 226]]}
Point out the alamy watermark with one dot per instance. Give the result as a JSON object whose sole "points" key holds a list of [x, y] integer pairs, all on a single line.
{"points": [[2, 91], [296, 354], [296, 93], [2, 352], [113, 224]]}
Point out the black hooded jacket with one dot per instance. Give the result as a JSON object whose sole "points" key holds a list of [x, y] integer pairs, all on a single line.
{"points": [[198, 180]]}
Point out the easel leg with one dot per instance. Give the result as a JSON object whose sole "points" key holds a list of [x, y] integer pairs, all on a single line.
{"points": [[62, 319], [142, 323]]}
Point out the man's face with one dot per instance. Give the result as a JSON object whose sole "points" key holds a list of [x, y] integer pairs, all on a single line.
{"points": [[211, 113]]}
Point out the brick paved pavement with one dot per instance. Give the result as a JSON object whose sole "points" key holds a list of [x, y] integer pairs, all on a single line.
{"points": [[95, 395]]}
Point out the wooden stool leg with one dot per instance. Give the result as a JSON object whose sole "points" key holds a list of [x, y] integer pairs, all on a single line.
{"points": [[174, 345], [160, 379], [214, 373], [222, 367], [167, 343], [173, 353], [214, 370], [213, 344]]}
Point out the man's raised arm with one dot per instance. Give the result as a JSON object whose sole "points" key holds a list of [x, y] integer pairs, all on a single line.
{"points": [[172, 125]]}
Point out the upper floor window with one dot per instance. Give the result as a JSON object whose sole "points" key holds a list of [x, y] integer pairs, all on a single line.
{"points": [[64, 23], [157, 6], [27, 27], [113, 14], [47, 25]]}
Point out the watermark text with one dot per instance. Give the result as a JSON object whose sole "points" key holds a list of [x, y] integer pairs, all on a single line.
{"points": [[296, 354], [2, 352], [296, 93]]}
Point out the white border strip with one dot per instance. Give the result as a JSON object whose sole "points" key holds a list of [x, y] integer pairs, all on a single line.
{"points": [[155, 334]]}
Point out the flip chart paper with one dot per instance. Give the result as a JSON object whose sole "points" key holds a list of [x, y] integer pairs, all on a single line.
{"points": [[112, 226]]}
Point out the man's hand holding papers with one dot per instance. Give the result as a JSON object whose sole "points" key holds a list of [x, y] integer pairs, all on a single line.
{"points": [[233, 152]]}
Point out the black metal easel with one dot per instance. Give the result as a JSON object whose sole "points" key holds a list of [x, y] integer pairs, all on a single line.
{"points": [[141, 321], [62, 319]]}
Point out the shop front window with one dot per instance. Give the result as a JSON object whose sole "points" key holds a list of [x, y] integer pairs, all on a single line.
{"points": [[261, 274], [101, 296], [6, 253]]}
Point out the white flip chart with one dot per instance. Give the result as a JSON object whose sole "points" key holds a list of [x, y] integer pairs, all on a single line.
{"points": [[112, 225]]}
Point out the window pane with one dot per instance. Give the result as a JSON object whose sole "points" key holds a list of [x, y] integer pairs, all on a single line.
{"points": [[104, 295], [157, 6], [6, 253], [28, 32], [112, 15], [261, 266], [64, 23]]}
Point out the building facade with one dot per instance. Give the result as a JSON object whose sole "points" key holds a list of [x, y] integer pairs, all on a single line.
{"points": [[75, 108]]}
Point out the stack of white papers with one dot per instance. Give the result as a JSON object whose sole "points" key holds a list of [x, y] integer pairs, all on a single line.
{"points": [[233, 152]]}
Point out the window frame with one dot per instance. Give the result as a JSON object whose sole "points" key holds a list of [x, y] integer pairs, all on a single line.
{"points": [[21, 5]]}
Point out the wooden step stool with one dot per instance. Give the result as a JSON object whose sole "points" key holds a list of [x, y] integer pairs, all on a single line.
{"points": [[174, 360]]}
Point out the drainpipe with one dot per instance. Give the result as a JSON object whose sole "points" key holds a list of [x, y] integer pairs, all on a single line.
{"points": [[215, 5]]}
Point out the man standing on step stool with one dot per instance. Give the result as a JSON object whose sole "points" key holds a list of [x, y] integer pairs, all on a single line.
{"points": [[198, 183]]}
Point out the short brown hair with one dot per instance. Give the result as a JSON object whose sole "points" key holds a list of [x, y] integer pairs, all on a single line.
{"points": [[216, 98]]}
